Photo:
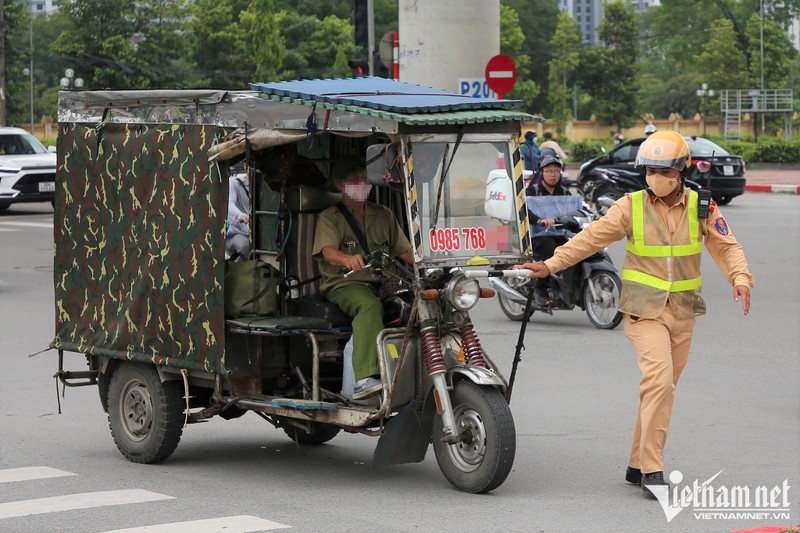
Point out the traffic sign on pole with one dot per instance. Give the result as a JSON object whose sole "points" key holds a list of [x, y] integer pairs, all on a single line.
{"points": [[501, 74]]}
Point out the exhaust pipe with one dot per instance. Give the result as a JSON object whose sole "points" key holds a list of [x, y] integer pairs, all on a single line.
{"points": [[502, 287]]}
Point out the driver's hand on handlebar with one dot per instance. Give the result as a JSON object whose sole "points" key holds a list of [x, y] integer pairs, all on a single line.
{"points": [[539, 270], [354, 263], [547, 222]]}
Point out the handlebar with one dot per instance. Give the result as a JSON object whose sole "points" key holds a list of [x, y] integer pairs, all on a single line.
{"points": [[513, 273]]}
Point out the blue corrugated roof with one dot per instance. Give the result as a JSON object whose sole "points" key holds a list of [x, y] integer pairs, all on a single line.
{"points": [[380, 93]]}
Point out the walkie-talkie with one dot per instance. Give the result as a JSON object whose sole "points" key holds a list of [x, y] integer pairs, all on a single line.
{"points": [[703, 203]]}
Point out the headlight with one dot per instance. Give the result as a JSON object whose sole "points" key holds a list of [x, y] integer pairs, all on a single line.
{"points": [[462, 293]]}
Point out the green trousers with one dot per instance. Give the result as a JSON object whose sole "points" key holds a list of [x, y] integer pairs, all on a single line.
{"points": [[365, 308]]}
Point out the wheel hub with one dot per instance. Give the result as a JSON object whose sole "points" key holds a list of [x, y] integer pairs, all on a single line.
{"points": [[468, 453], [137, 410]]}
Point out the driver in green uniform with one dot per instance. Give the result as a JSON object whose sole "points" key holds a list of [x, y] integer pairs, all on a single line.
{"points": [[337, 247]]}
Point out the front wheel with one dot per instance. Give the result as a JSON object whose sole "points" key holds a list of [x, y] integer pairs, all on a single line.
{"points": [[145, 414], [481, 460], [512, 309], [601, 304]]}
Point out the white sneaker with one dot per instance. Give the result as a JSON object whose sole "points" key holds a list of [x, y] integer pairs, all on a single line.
{"points": [[366, 387]]}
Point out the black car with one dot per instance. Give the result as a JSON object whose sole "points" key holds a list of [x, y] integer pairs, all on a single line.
{"points": [[712, 168]]}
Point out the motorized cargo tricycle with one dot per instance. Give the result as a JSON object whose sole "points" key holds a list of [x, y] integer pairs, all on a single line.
{"points": [[140, 272]]}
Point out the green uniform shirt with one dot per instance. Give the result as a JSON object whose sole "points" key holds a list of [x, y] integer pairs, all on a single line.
{"points": [[382, 232]]}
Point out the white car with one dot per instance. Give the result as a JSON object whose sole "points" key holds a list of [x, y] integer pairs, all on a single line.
{"points": [[27, 169]]}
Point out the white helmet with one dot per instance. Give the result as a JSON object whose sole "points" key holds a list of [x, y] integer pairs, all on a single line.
{"points": [[650, 128]]}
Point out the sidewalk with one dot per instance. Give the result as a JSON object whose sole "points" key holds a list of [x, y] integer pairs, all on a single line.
{"points": [[783, 180]]}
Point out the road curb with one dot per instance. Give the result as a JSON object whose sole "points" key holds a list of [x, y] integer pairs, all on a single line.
{"points": [[779, 188]]}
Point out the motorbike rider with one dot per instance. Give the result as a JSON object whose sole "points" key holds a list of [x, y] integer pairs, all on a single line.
{"points": [[544, 246], [665, 227], [649, 130], [338, 245]]}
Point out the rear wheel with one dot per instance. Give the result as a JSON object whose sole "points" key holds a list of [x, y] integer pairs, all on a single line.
{"points": [[607, 189], [321, 433], [145, 414], [723, 200], [512, 309], [481, 460], [601, 304]]}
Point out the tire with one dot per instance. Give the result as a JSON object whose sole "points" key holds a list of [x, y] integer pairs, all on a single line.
{"points": [[607, 189], [482, 460], [723, 200], [603, 313], [144, 414], [511, 309], [321, 434]]}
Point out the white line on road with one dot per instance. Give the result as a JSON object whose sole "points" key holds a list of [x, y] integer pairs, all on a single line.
{"points": [[225, 524], [31, 472], [85, 500], [27, 224]]}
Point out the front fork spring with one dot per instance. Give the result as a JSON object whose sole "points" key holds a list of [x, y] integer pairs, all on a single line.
{"points": [[473, 351], [432, 349]]}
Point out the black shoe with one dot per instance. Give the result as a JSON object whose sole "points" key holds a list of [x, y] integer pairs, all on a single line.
{"points": [[651, 481], [633, 475], [541, 298]]}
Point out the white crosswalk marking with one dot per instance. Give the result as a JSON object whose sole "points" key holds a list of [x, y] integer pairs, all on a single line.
{"points": [[31, 472], [27, 224], [225, 524], [84, 500]]}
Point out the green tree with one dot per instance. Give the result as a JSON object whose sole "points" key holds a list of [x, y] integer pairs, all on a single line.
{"points": [[16, 55], [217, 49], [567, 42], [609, 74], [263, 39], [511, 41], [778, 53], [720, 58], [537, 19]]}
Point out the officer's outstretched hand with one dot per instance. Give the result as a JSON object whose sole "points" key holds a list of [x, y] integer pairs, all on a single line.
{"points": [[743, 292], [540, 270]]}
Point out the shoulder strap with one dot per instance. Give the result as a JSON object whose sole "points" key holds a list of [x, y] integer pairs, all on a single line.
{"points": [[348, 216]]}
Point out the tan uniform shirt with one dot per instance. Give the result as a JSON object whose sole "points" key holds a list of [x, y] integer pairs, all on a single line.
{"points": [[616, 224], [382, 232], [554, 145]]}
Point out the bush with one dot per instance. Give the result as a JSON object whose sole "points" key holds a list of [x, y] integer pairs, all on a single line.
{"points": [[581, 151], [767, 150]]}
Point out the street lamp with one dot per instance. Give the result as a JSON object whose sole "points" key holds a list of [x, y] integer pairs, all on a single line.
{"points": [[29, 72], [702, 92], [67, 79]]}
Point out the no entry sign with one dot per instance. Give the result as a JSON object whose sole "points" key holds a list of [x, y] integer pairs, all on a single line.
{"points": [[501, 74]]}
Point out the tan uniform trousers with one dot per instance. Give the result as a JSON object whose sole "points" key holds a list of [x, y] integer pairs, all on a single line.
{"points": [[662, 349]]}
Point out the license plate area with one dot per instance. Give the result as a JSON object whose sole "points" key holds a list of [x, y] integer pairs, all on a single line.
{"points": [[727, 170], [47, 186]]}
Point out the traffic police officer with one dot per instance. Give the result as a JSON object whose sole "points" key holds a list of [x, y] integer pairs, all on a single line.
{"points": [[665, 227], [337, 246]]}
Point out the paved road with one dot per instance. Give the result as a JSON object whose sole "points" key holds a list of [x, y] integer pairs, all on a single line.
{"points": [[738, 410]]}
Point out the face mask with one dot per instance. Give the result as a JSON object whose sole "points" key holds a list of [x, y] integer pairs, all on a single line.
{"points": [[661, 186], [357, 191]]}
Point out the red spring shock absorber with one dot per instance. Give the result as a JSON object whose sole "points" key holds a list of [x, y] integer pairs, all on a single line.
{"points": [[432, 348], [473, 351]]}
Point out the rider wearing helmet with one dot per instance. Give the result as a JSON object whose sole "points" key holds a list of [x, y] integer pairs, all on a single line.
{"points": [[665, 157], [661, 283], [544, 246], [649, 130]]}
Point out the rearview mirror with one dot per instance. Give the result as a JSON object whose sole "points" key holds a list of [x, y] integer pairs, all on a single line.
{"points": [[383, 164]]}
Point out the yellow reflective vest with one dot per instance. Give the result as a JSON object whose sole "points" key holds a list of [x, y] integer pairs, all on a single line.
{"points": [[660, 267]]}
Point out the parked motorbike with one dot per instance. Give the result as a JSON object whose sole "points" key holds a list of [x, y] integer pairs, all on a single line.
{"points": [[592, 284], [613, 184]]}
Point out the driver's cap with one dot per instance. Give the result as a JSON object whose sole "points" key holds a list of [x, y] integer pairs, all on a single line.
{"points": [[664, 149]]}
